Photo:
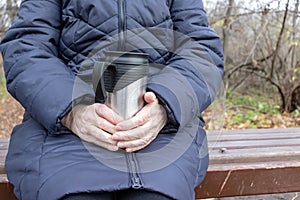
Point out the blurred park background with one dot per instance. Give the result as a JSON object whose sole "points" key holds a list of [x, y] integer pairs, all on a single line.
{"points": [[261, 86]]}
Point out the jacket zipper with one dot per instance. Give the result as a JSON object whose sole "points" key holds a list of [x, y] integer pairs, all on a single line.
{"points": [[135, 178], [122, 28]]}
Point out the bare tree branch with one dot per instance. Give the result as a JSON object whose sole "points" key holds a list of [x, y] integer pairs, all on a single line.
{"points": [[261, 60], [279, 40]]}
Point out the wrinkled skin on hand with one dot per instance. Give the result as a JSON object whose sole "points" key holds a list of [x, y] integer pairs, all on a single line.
{"points": [[93, 123], [140, 130], [100, 125]]}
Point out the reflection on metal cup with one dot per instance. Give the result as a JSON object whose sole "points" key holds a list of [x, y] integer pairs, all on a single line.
{"points": [[121, 81]]}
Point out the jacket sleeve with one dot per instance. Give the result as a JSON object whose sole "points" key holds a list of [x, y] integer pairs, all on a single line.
{"points": [[189, 83], [35, 75]]}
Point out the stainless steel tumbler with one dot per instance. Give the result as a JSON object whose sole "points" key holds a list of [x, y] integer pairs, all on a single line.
{"points": [[121, 81]]}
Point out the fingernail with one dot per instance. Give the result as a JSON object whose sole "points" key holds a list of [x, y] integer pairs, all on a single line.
{"points": [[115, 137], [115, 148], [117, 127], [120, 145]]}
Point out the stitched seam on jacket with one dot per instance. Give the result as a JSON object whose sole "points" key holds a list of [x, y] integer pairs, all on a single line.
{"points": [[95, 27], [68, 48], [13, 27], [154, 25], [182, 172], [187, 9], [145, 29], [194, 31], [160, 56], [53, 2], [40, 160]]}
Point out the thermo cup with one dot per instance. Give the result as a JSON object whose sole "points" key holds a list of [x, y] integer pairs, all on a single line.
{"points": [[120, 80]]}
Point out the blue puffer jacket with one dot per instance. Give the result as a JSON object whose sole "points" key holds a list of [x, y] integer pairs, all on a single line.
{"points": [[52, 42]]}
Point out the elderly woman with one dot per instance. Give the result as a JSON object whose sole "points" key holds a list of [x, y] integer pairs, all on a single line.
{"points": [[71, 147]]}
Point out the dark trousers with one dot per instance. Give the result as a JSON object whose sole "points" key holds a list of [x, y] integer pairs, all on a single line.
{"points": [[129, 194]]}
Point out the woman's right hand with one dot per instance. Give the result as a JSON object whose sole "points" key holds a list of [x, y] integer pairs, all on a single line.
{"points": [[93, 123]]}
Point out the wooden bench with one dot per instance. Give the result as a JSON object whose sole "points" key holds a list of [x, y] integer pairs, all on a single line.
{"points": [[252, 162], [242, 162], [6, 189]]}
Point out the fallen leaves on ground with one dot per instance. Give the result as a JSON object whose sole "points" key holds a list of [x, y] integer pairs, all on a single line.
{"points": [[224, 120], [11, 114]]}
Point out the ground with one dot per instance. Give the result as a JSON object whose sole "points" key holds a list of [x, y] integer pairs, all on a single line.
{"points": [[11, 113]]}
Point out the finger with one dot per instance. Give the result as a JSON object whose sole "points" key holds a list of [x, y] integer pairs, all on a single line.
{"points": [[107, 113], [105, 125], [130, 150], [134, 144], [100, 143], [100, 138], [126, 125], [90, 118], [149, 97], [132, 134], [142, 117], [137, 143], [125, 136]]}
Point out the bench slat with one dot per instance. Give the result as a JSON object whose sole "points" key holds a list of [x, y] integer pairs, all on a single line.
{"points": [[227, 137], [266, 154], [226, 183], [256, 143], [6, 189], [4, 140], [272, 131], [252, 162], [256, 165]]}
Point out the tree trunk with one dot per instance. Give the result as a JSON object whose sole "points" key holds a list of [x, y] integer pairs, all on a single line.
{"points": [[278, 44], [294, 35], [295, 100], [226, 30], [11, 9]]}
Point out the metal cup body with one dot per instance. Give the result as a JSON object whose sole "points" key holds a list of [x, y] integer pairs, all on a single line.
{"points": [[121, 81], [129, 100]]}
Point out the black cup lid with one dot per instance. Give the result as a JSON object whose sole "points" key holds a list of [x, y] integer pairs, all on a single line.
{"points": [[131, 58]]}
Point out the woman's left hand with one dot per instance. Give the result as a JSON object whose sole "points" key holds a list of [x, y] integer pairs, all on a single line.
{"points": [[140, 130]]}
